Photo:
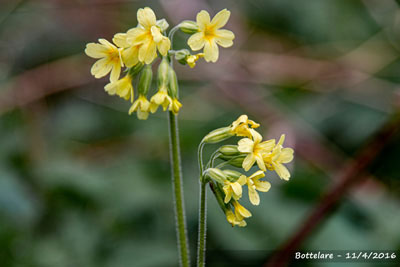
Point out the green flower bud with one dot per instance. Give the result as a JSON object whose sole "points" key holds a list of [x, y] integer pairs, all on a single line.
{"points": [[163, 24], [181, 56], [145, 80], [133, 71], [189, 27], [173, 89], [217, 175], [162, 75], [218, 135], [236, 161], [232, 175], [229, 150]]}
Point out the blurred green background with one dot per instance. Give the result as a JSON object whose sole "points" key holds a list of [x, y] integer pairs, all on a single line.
{"points": [[82, 183]]}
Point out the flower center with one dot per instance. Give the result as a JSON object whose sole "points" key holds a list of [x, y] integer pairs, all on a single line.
{"points": [[209, 32]]}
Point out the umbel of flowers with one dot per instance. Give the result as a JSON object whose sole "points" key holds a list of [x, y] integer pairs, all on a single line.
{"points": [[227, 182], [132, 53]]}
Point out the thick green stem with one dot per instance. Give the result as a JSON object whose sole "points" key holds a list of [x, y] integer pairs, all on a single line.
{"points": [[179, 208], [201, 246]]}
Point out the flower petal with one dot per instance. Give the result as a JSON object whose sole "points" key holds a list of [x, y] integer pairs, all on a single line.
{"points": [[147, 52], [100, 68], [286, 155], [196, 41], [130, 56], [237, 189], [115, 72], [202, 19], [221, 18], [281, 170], [246, 145], [164, 45], [120, 40], [260, 162], [146, 17], [96, 50], [211, 51], [248, 162], [228, 196], [224, 38], [253, 195], [262, 186]]}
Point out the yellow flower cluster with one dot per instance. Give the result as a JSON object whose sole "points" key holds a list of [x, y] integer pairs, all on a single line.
{"points": [[250, 151], [137, 48]]}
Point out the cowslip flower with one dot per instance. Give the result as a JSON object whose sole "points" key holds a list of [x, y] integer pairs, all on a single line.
{"points": [[109, 59], [123, 88], [240, 127], [160, 98], [233, 190], [274, 159], [254, 149], [142, 107], [192, 59], [253, 184], [148, 36], [210, 35], [175, 106], [233, 220]]}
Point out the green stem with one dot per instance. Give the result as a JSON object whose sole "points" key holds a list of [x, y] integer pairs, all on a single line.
{"points": [[201, 244], [178, 192]]}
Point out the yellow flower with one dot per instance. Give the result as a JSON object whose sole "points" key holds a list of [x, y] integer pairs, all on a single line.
{"points": [[254, 149], [233, 220], [148, 36], [240, 127], [175, 106], [191, 60], [253, 183], [130, 53], [233, 189], [160, 98], [274, 159], [123, 88], [109, 59], [210, 34], [142, 106]]}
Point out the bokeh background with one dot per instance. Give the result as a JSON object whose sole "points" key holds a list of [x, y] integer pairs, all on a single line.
{"points": [[82, 183]]}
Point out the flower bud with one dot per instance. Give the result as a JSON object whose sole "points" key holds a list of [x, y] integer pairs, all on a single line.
{"points": [[235, 161], [189, 27], [229, 150], [162, 75], [173, 89], [232, 175], [181, 55], [217, 175], [145, 80], [163, 24], [134, 70], [218, 135]]}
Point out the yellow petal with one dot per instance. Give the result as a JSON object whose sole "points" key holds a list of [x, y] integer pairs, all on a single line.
{"points": [[156, 33], [120, 40], [107, 43], [241, 210], [282, 171], [281, 140], [246, 145], [242, 180], [221, 18], [267, 146], [211, 51], [286, 155], [130, 56], [137, 36], [202, 19], [142, 115], [115, 72], [248, 162], [148, 52], [237, 189], [146, 17], [260, 162], [196, 41], [100, 68], [228, 196], [96, 50], [253, 195], [262, 186], [224, 38], [256, 136], [257, 175], [164, 45]]}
